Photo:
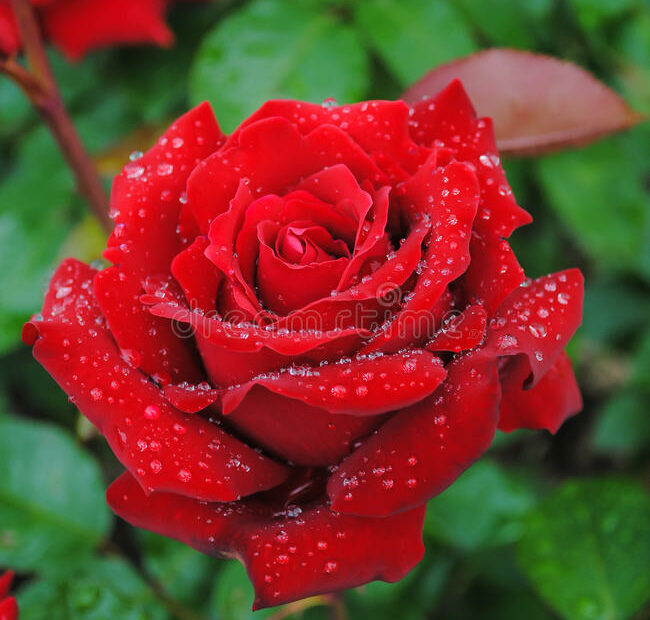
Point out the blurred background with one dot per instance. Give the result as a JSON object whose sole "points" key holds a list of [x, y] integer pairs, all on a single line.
{"points": [[544, 526]]}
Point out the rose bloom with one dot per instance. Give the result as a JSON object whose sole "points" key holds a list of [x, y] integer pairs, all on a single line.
{"points": [[8, 606], [310, 327], [77, 26]]}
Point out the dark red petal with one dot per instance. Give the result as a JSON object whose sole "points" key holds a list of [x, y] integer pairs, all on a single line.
{"points": [[250, 338], [297, 432], [149, 342], [365, 304], [546, 405], [9, 609], [376, 126], [450, 196], [197, 276], [285, 287], [190, 398], [461, 331], [5, 583], [331, 146], [223, 234], [288, 556], [449, 120], [9, 35], [270, 154], [361, 386], [371, 235], [538, 320], [146, 195], [77, 26], [493, 272], [164, 448], [145, 201], [420, 451]]}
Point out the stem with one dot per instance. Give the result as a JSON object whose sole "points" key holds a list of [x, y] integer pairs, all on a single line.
{"points": [[40, 87]]}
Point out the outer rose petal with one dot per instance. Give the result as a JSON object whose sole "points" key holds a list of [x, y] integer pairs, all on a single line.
{"points": [[493, 272], [145, 201], [546, 405], [448, 119], [287, 557], [9, 36], [77, 26], [164, 448], [538, 319], [361, 386], [420, 451], [294, 431], [8, 605], [462, 332], [379, 127]]}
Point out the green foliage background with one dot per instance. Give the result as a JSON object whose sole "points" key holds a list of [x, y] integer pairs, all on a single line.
{"points": [[544, 527]]}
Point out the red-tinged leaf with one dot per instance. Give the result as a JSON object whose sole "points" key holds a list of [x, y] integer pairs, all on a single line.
{"points": [[538, 103]]}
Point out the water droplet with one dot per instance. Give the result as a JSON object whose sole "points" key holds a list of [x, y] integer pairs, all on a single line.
{"points": [[152, 412]]}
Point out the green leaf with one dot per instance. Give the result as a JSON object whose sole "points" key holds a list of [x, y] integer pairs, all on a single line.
{"points": [[408, 599], [273, 49], [630, 316], [184, 573], [504, 499], [35, 217], [412, 36], [502, 22], [52, 506], [586, 549], [103, 589], [623, 424], [233, 594], [598, 193], [592, 14], [15, 110]]}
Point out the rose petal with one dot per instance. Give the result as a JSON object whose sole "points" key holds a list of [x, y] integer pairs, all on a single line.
{"points": [[538, 320], [9, 34], [546, 405], [539, 103], [493, 272], [190, 398], [295, 431], [149, 342], [361, 386], [420, 451], [197, 276], [5, 583], [77, 26], [162, 447], [285, 287], [290, 555], [270, 154], [448, 119], [9, 609], [250, 338], [376, 126], [452, 192], [145, 204], [463, 331]]}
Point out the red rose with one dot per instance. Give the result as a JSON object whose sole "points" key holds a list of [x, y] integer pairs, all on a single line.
{"points": [[8, 606], [77, 26], [311, 327]]}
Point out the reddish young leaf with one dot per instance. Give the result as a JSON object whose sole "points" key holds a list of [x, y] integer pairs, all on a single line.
{"points": [[538, 103]]}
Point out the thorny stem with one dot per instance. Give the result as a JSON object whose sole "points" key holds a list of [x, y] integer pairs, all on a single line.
{"points": [[40, 87]]}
